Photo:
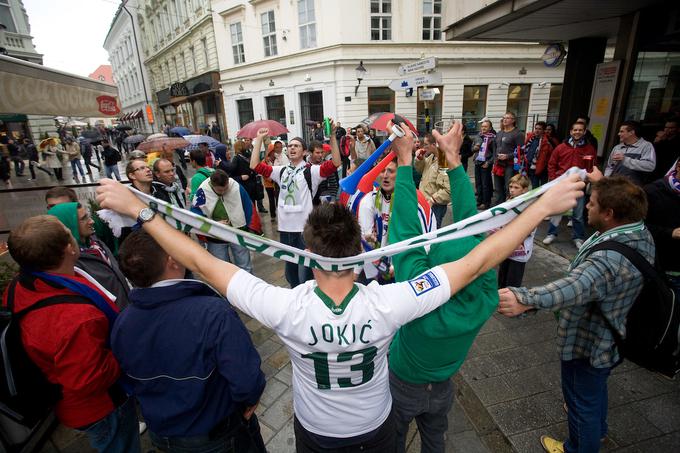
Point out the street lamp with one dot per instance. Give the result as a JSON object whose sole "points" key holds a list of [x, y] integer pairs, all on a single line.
{"points": [[361, 72], [3, 28]]}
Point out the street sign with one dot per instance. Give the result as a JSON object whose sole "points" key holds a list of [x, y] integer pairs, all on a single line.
{"points": [[427, 94], [421, 65], [434, 78]]}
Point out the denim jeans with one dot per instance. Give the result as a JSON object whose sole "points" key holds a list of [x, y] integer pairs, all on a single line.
{"points": [[429, 404], [538, 180], [439, 211], [240, 256], [76, 165], [243, 438], [483, 184], [118, 432], [585, 392], [111, 170], [295, 274], [578, 228]]}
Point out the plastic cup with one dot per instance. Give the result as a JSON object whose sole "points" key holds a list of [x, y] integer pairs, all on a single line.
{"points": [[588, 163]]}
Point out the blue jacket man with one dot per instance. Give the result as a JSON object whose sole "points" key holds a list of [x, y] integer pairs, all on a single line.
{"points": [[186, 354]]}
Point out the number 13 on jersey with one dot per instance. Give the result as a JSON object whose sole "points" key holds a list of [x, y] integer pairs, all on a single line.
{"points": [[321, 370]]}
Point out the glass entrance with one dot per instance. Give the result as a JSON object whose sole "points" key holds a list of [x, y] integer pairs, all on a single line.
{"points": [[311, 111]]}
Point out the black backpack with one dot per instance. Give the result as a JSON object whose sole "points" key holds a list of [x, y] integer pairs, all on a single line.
{"points": [[26, 396], [653, 322]]}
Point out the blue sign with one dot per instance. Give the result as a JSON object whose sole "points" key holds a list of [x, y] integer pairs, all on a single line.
{"points": [[554, 55]]}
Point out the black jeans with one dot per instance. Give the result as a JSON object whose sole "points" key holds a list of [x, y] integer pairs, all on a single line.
{"points": [[483, 184], [295, 273], [510, 273]]}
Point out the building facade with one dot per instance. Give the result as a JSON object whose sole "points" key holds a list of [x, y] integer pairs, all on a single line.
{"points": [[180, 54], [17, 40], [296, 61], [129, 73]]}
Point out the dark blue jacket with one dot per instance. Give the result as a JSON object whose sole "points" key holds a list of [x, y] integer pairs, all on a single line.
{"points": [[188, 357]]}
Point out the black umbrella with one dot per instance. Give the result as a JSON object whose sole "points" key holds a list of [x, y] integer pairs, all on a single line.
{"points": [[135, 139], [91, 134], [123, 127]]}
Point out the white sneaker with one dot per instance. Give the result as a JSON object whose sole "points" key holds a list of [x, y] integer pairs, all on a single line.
{"points": [[578, 243], [569, 224], [549, 239]]}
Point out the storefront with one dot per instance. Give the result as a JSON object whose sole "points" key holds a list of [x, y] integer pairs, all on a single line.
{"points": [[195, 104], [14, 126]]}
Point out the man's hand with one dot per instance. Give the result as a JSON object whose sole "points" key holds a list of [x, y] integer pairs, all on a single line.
{"points": [[245, 177], [595, 175], [262, 133], [562, 196], [450, 143], [508, 304], [402, 146], [249, 411], [115, 196]]}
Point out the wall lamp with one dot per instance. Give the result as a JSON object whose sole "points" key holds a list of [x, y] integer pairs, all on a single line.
{"points": [[361, 72]]}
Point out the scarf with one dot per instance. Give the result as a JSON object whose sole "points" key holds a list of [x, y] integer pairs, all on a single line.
{"points": [[598, 237], [485, 145], [672, 180], [577, 144], [206, 199]]}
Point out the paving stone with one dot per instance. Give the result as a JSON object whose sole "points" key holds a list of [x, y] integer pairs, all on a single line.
{"points": [[532, 380], [284, 440], [480, 367], [280, 411], [280, 358], [552, 403], [272, 391], [530, 441], [261, 335], [491, 325], [640, 384], [494, 341], [662, 444], [465, 442], [267, 432], [492, 390], [286, 374], [663, 411], [513, 359], [517, 416], [627, 426], [458, 419], [267, 348]]}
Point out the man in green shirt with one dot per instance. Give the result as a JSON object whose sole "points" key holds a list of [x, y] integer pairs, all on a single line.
{"points": [[203, 172], [426, 352]]}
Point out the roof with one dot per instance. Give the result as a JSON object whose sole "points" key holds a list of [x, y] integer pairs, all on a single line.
{"points": [[103, 73]]}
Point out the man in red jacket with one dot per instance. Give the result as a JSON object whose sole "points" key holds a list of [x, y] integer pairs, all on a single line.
{"points": [[573, 152], [69, 341]]}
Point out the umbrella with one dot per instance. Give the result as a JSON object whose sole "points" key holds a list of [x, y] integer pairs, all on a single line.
{"points": [[48, 141], [163, 143], [195, 140], [91, 134], [76, 123], [123, 127], [135, 139], [180, 130], [379, 121], [156, 135], [250, 129]]}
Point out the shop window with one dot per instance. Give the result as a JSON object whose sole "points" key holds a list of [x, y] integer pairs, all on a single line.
{"points": [[245, 111], [432, 20], [474, 106], [276, 109], [269, 34], [655, 92], [518, 103], [554, 103], [380, 99], [237, 43], [381, 20], [306, 19]]}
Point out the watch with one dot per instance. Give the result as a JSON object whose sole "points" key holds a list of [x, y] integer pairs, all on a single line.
{"points": [[145, 215]]}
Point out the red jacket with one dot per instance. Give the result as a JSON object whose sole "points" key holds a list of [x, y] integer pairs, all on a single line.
{"points": [[68, 342], [566, 156], [545, 149]]}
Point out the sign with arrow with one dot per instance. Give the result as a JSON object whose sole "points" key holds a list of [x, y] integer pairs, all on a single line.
{"points": [[434, 78], [420, 65]]}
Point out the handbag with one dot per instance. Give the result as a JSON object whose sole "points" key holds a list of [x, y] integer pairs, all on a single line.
{"points": [[498, 170]]}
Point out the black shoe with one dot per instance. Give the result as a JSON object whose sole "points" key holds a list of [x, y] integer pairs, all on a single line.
{"points": [[263, 211]]}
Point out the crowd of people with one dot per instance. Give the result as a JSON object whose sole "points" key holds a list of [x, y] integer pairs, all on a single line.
{"points": [[174, 346]]}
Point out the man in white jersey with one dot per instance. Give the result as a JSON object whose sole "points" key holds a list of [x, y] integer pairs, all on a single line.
{"points": [[337, 332]]}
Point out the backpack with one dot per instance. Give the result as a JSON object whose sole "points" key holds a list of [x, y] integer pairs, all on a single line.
{"points": [[26, 396], [653, 322]]}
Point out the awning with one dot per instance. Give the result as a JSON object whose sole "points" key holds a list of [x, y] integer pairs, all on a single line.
{"points": [[544, 20], [28, 88]]}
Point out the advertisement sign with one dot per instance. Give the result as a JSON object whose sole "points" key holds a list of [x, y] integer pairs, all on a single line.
{"points": [[602, 100]]}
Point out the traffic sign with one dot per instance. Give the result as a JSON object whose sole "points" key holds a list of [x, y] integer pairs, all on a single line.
{"points": [[427, 94], [434, 78], [421, 65]]}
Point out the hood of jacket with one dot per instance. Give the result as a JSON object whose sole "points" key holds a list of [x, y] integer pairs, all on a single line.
{"points": [[67, 213], [153, 296]]}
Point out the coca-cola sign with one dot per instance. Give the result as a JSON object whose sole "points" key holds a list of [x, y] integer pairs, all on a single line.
{"points": [[108, 105]]}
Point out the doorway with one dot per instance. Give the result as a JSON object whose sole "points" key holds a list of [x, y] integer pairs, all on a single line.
{"points": [[311, 111]]}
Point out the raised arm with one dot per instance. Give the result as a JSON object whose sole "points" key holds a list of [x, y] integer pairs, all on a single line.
{"points": [[218, 273], [335, 149], [462, 195], [257, 144]]}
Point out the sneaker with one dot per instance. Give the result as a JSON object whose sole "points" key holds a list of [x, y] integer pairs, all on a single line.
{"points": [[549, 239], [570, 224], [578, 243], [552, 445]]}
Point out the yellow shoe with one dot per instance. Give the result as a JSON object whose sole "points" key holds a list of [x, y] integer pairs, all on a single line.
{"points": [[551, 445]]}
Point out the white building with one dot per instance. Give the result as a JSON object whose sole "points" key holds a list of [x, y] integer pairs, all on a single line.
{"points": [[180, 54], [295, 61], [123, 45], [17, 40]]}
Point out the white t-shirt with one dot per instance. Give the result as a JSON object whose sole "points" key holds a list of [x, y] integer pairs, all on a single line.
{"points": [[523, 252], [339, 353], [374, 216], [295, 199]]}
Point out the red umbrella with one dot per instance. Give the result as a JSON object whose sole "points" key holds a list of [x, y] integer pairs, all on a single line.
{"points": [[250, 129], [379, 121], [163, 143]]}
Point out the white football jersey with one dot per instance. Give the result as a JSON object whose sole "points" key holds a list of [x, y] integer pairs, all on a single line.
{"points": [[339, 353]]}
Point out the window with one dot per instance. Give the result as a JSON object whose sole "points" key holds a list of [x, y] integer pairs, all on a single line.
{"points": [[269, 34], [307, 24], [166, 20], [554, 102], [245, 111], [432, 20], [206, 60], [276, 109], [474, 106], [192, 52], [518, 103], [381, 20], [174, 65], [6, 16], [167, 71], [380, 99], [184, 65], [237, 43]]}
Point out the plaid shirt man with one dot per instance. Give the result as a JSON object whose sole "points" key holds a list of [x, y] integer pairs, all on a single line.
{"points": [[602, 284]]}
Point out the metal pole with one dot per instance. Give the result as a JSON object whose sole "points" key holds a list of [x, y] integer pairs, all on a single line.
{"points": [[139, 59]]}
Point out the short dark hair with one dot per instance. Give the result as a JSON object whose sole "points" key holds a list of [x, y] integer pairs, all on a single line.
{"points": [[332, 231], [39, 242], [543, 124], [61, 191], [627, 200], [219, 178], [315, 144], [141, 259], [158, 161], [198, 156], [633, 126], [302, 142]]}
